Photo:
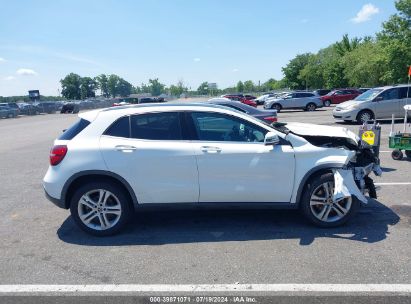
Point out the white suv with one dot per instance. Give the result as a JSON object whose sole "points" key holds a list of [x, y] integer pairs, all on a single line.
{"points": [[113, 161]]}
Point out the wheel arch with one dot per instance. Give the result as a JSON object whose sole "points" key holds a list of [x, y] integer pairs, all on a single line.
{"points": [[312, 173], [95, 175]]}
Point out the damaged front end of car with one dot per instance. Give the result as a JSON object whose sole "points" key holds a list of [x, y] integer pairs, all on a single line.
{"points": [[352, 179]]}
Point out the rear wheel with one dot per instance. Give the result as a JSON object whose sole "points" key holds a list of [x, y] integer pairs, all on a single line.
{"points": [[365, 116], [277, 107], [408, 153], [397, 155], [318, 205], [311, 107], [100, 208]]}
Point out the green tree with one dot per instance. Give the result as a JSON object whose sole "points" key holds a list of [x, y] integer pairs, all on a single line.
{"points": [[124, 88], [102, 82], [203, 88], [240, 87], [365, 65], [112, 85], [156, 87], [88, 87], [395, 39], [249, 86], [70, 86], [177, 90], [292, 71], [346, 45]]}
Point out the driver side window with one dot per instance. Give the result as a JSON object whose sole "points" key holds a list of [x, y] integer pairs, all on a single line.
{"points": [[221, 127]]}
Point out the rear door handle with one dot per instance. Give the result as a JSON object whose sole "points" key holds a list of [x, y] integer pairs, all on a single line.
{"points": [[125, 148], [210, 149]]}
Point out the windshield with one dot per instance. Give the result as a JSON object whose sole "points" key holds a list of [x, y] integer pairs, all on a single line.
{"points": [[368, 95]]}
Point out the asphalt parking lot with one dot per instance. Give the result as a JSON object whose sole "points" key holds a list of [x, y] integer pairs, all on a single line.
{"points": [[41, 244]]}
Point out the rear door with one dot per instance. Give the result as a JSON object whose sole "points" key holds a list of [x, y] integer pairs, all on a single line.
{"points": [[234, 165], [149, 151]]}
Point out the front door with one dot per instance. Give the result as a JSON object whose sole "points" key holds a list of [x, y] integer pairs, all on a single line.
{"points": [[234, 165]]}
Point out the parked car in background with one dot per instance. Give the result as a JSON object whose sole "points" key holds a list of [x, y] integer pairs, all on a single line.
{"points": [[362, 90], [7, 112], [267, 116], [28, 108], [12, 105], [377, 103], [70, 107], [339, 96], [46, 107], [260, 100], [322, 92], [241, 98], [297, 100]]}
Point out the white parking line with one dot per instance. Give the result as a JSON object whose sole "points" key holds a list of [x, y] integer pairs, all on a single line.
{"points": [[390, 184], [343, 288]]}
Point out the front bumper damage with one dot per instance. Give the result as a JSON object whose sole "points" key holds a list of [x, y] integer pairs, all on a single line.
{"points": [[355, 181]]}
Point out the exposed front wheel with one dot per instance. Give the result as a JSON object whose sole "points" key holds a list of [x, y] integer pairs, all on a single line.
{"points": [[319, 207], [327, 103], [100, 208]]}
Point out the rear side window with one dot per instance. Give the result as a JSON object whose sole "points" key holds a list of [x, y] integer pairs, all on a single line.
{"points": [[405, 92], [120, 128], [156, 126], [74, 130]]}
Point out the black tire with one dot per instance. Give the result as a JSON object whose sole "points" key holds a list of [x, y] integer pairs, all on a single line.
{"points": [[397, 155], [327, 103], [123, 200], [364, 116], [408, 153], [306, 210], [277, 107], [10, 115], [311, 107]]}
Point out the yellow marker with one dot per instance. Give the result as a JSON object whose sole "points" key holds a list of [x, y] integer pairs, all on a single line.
{"points": [[368, 137]]}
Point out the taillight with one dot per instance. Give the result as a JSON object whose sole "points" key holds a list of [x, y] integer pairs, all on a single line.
{"points": [[57, 154], [271, 119]]}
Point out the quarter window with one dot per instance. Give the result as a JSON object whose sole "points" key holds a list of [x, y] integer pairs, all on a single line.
{"points": [[220, 127], [156, 126], [120, 128], [390, 94]]}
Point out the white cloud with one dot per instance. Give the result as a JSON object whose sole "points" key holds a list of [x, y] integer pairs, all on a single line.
{"points": [[365, 13], [235, 70], [2, 59], [26, 72], [196, 59], [9, 78]]}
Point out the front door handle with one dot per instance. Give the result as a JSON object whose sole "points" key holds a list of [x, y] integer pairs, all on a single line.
{"points": [[210, 149], [125, 148]]}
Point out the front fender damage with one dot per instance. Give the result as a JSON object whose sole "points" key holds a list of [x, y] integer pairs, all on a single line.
{"points": [[355, 181]]}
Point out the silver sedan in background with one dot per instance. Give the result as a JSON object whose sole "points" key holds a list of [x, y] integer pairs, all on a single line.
{"points": [[296, 100]]}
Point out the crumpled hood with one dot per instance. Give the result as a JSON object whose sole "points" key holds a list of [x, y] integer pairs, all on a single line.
{"points": [[320, 130]]}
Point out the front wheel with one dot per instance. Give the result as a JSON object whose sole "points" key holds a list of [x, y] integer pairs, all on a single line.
{"points": [[100, 208], [364, 116], [408, 153], [318, 205], [311, 107], [327, 103]]}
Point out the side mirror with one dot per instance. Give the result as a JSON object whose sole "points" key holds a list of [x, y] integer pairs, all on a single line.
{"points": [[378, 98], [271, 139]]}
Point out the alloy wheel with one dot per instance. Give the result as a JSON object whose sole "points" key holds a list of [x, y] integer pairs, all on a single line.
{"points": [[323, 206], [99, 209]]}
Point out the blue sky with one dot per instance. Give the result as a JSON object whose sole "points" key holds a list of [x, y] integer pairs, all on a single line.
{"points": [[219, 41]]}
